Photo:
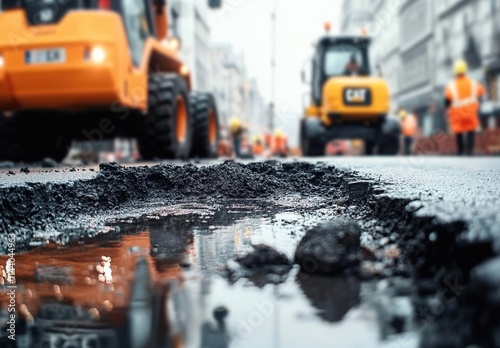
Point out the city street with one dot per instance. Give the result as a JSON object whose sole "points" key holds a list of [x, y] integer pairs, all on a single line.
{"points": [[249, 174]]}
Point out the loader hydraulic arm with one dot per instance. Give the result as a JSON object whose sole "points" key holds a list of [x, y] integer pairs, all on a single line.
{"points": [[161, 19]]}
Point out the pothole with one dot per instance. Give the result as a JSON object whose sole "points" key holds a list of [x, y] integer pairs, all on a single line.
{"points": [[97, 243]]}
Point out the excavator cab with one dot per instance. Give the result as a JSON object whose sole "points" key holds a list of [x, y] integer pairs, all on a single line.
{"points": [[338, 58], [347, 102]]}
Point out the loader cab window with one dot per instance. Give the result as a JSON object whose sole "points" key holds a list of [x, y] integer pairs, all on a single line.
{"points": [[345, 60], [316, 79], [40, 12], [139, 25]]}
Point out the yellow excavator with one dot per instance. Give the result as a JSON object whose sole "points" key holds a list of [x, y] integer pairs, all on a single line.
{"points": [[347, 102]]}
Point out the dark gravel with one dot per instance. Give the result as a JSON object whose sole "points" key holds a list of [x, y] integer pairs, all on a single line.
{"points": [[47, 205]]}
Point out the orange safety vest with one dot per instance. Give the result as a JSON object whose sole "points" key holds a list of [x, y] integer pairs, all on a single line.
{"points": [[464, 94], [258, 149], [409, 125], [224, 149], [280, 145], [268, 139]]}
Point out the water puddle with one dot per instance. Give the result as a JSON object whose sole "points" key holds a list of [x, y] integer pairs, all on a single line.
{"points": [[162, 282]]}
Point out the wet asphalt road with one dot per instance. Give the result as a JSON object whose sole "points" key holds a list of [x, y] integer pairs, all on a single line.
{"points": [[449, 188], [446, 188]]}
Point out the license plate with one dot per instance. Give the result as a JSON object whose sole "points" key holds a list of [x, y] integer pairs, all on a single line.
{"points": [[50, 56]]}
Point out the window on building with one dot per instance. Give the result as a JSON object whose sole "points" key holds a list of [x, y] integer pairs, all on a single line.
{"points": [[215, 3], [448, 60], [414, 21], [174, 21]]}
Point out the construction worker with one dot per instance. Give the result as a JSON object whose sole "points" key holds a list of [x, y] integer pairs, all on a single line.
{"points": [[225, 148], [268, 139], [245, 147], [463, 96], [237, 131], [352, 68], [279, 144], [409, 127], [257, 146]]}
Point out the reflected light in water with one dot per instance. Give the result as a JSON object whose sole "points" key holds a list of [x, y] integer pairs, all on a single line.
{"points": [[104, 268]]}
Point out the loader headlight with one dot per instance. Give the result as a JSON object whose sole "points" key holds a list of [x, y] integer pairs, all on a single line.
{"points": [[97, 54], [184, 70], [2, 61]]}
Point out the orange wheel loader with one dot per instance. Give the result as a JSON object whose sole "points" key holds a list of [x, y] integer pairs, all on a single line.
{"points": [[95, 69]]}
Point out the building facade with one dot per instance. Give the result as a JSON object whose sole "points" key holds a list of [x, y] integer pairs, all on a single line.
{"points": [[416, 90], [384, 27], [356, 13], [237, 95], [215, 68], [415, 44], [189, 22], [229, 87], [256, 109]]}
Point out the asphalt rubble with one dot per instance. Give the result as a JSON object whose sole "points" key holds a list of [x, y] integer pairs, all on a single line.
{"points": [[455, 285]]}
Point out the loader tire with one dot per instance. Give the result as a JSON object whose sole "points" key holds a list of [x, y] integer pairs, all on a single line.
{"points": [[311, 146], [166, 131], [146, 138], [314, 149], [370, 146], [205, 125], [389, 146], [390, 136], [31, 136]]}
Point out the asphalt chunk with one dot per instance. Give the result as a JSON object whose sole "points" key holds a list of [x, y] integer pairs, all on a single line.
{"points": [[330, 248], [263, 256], [263, 265]]}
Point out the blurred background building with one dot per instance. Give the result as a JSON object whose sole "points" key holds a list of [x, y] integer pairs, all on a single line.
{"points": [[355, 15], [216, 67], [189, 22], [229, 86], [415, 43], [256, 108]]}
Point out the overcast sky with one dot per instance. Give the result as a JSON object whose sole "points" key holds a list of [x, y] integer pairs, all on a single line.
{"points": [[246, 25]]}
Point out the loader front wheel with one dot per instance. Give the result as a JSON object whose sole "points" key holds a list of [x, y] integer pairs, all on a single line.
{"points": [[311, 145], [390, 137], [205, 125], [167, 128], [370, 146]]}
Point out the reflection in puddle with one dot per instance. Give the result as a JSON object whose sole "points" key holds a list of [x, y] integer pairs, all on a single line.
{"points": [[333, 297], [161, 284]]}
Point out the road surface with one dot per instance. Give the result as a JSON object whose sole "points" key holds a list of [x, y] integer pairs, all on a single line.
{"points": [[426, 223]]}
